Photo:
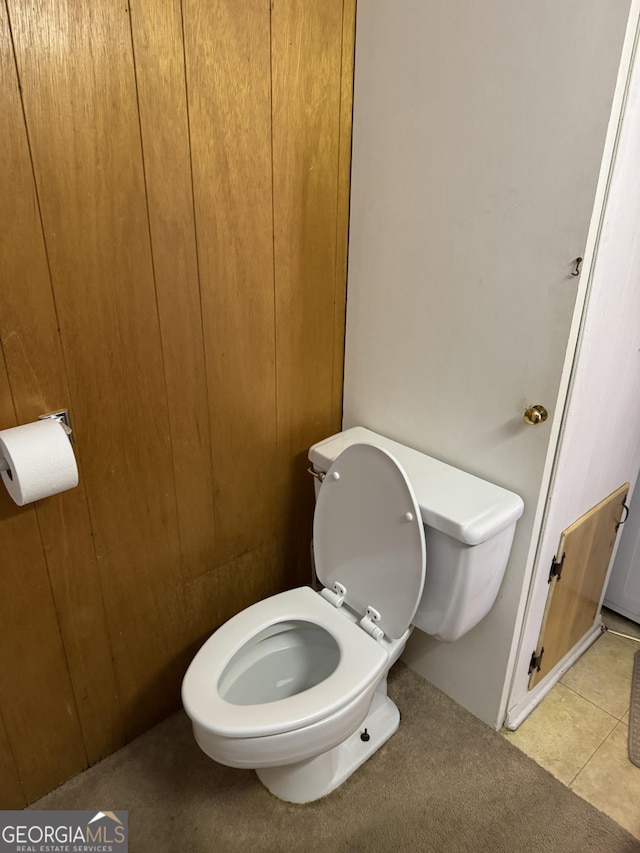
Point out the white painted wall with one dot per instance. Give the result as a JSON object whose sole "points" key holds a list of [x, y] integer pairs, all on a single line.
{"points": [[623, 589], [599, 448], [478, 136]]}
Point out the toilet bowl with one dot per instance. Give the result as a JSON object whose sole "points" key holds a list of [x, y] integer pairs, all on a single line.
{"points": [[295, 685], [281, 680]]}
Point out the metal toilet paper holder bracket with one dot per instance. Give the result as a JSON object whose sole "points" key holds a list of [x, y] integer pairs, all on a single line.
{"points": [[62, 416]]}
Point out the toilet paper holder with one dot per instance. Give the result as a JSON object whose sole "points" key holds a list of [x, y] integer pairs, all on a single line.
{"points": [[62, 416]]}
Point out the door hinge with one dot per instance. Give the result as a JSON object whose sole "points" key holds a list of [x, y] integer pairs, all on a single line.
{"points": [[556, 568], [536, 661]]}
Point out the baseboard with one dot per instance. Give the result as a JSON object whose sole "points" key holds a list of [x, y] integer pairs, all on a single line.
{"points": [[519, 712]]}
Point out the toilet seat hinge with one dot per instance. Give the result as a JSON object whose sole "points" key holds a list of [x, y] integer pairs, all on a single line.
{"points": [[337, 596], [368, 623]]}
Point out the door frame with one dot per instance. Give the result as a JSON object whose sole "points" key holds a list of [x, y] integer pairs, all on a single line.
{"points": [[519, 701]]}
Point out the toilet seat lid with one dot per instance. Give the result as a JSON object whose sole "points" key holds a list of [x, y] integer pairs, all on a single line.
{"points": [[368, 536]]}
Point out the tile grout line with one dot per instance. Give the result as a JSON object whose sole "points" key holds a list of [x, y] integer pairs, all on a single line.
{"points": [[616, 721], [604, 806], [569, 784], [602, 742], [595, 705]]}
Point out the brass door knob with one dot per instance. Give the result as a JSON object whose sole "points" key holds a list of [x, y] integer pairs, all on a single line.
{"points": [[535, 415]]}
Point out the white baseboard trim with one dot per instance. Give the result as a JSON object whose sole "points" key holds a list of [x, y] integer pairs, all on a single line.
{"points": [[519, 712]]}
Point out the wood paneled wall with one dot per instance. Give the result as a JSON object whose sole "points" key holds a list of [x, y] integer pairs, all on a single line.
{"points": [[173, 223]]}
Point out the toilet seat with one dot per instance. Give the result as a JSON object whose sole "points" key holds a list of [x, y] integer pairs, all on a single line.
{"points": [[368, 536], [362, 661]]}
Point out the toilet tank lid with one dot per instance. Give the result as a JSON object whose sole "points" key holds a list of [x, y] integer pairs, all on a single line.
{"points": [[459, 504]]}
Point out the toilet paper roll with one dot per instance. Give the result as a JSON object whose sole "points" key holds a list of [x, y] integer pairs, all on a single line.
{"points": [[40, 459]]}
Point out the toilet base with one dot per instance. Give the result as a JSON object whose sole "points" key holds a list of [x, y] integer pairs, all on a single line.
{"points": [[316, 777]]}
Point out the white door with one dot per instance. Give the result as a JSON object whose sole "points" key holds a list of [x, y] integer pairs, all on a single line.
{"points": [[600, 442], [479, 130]]}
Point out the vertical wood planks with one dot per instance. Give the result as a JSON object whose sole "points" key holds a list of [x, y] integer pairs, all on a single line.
{"points": [[306, 51], [160, 75], [228, 84], [77, 76], [30, 339], [36, 695], [43, 724], [11, 793], [173, 206], [306, 124], [342, 219]]}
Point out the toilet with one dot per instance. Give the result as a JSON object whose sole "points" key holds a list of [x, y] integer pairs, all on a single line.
{"points": [[294, 687]]}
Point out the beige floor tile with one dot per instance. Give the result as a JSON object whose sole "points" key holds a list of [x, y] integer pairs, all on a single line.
{"points": [[563, 732], [611, 783], [603, 674]]}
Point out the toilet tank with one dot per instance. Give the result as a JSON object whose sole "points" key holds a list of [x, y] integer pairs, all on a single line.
{"points": [[469, 525]]}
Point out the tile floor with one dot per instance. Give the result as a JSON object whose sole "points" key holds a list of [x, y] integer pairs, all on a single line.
{"points": [[579, 731]]}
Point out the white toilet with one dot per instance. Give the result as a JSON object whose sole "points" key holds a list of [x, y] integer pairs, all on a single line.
{"points": [[295, 685]]}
